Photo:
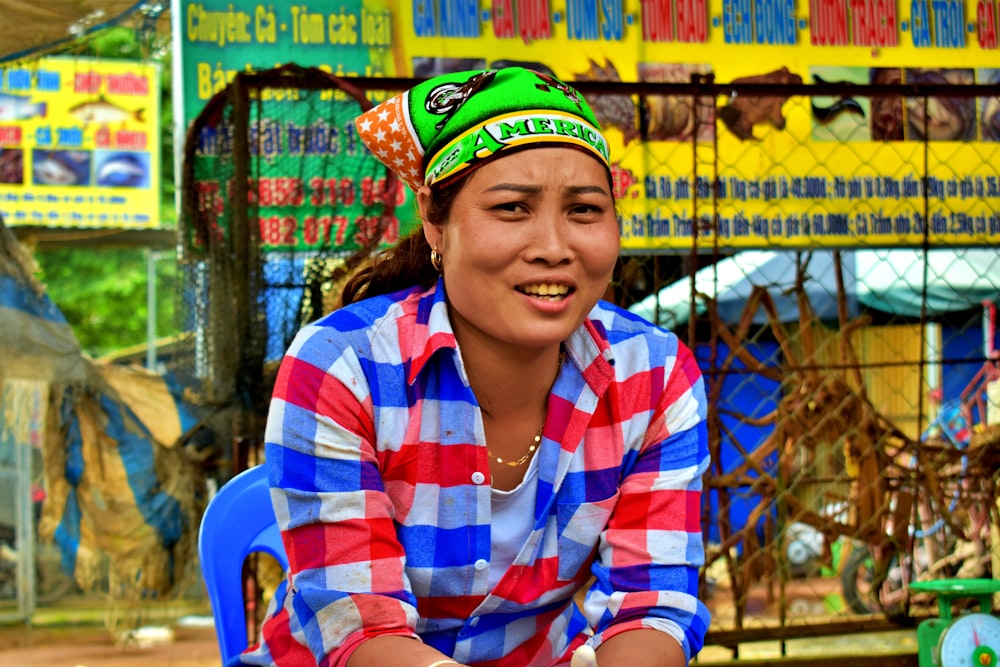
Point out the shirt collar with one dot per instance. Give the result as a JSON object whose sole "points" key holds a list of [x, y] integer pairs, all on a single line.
{"points": [[587, 347], [590, 350], [432, 332]]}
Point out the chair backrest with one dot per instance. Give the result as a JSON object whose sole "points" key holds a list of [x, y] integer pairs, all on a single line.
{"points": [[238, 521]]}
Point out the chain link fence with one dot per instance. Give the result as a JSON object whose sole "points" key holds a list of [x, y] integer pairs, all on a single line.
{"points": [[827, 249]]}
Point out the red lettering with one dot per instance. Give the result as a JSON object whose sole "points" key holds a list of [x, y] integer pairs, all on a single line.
{"points": [[346, 195], [503, 19], [102, 137], [323, 191], [129, 140], [210, 207], [828, 22], [375, 191], [128, 84], [316, 230], [656, 23], [886, 17], [278, 230], [366, 191], [10, 135], [622, 179], [533, 20], [692, 21], [391, 233], [87, 82], [986, 16], [873, 22], [207, 194], [340, 222], [278, 191]]}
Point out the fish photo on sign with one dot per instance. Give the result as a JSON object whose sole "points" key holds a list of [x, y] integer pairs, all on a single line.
{"points": [[60, 167], [121, 169], [676, 117], [990, 115], [20, 107], [886, 110], [939, 117], [11, 166], [840, 117], [102, 111]]}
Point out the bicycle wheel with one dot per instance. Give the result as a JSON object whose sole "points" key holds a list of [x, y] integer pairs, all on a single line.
{"points": [[862, 593]]}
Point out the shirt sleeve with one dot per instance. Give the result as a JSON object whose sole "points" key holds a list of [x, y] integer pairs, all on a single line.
{"points": [[346, 580], [646, 571]]}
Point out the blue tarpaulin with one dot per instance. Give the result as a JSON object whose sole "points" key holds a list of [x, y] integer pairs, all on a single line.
{"points": [[117, 494]]}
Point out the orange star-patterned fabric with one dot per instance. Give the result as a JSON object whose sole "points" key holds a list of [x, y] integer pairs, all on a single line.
{"points": [[387, 131]]}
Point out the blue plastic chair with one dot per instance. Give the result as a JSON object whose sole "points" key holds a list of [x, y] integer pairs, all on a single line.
{"points": [[238, 521]]}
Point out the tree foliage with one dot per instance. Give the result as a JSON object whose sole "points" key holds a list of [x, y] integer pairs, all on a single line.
{"points": [[103, 293]]}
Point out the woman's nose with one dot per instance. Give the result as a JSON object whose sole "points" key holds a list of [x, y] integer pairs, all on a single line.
{"points": [[550, 242]]}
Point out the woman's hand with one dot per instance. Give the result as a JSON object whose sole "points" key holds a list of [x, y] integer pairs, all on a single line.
{"points": [[584, 657]]}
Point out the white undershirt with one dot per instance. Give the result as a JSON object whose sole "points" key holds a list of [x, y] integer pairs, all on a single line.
{"points": [[513, 518]]}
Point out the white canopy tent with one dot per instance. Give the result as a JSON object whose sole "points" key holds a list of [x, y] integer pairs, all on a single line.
{"points": [[903, 282]]}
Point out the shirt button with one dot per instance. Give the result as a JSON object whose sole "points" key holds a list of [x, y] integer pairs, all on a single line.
{"points": [[481, 564], [478, 478]]}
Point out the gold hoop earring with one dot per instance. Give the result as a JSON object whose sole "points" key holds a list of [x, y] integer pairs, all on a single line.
{"points": [[436, 260]]}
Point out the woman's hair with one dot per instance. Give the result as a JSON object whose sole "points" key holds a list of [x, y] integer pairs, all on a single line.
{"points": [[408, 263]]}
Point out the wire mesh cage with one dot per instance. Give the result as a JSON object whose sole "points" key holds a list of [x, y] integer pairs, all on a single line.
{"points": [[281, 201], [827, 250]]}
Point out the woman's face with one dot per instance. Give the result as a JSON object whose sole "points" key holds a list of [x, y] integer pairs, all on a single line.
{"points": [[528, 247]]}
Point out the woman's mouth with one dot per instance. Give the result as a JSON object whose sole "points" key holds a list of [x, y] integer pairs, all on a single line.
{"points": [[550, 291]]}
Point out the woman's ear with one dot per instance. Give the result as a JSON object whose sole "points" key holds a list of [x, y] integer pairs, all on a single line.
{"points": [[432, 231]]}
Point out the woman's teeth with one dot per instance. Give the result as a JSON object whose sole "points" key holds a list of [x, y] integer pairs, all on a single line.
{"points": [[546, 291]]}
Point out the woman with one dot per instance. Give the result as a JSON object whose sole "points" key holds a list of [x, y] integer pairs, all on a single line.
{"points": [[474, 438]]}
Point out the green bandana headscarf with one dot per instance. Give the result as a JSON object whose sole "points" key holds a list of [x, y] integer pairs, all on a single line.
{"points": [[453, 122]]}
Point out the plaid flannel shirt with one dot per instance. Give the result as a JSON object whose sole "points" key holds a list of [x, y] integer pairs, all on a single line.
{"points": [[380, 482]]}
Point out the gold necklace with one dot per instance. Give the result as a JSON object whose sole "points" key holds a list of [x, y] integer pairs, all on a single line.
{"points": [[538, 436], [526, 456]]}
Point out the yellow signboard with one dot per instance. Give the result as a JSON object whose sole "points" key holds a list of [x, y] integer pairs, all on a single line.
{"points": [[737, 172], [80, 144]]}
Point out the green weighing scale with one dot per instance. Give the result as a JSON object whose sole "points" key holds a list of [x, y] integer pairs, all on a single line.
{"points": [[971, 640]]}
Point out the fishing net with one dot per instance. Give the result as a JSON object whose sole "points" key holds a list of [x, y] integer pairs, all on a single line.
{"points": [[281, 203]]}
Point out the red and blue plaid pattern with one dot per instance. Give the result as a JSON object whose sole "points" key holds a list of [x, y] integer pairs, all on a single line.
{"points": [[379, 478]]}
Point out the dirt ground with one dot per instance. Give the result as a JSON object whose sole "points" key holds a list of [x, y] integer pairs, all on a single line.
{"points": [[74, 634], [92, 646]]}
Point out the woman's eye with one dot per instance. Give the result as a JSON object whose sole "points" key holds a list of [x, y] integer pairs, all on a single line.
{"points": [[509, 207], [585, 209]]}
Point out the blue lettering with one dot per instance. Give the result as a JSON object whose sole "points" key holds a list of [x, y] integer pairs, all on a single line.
{"points": [[423, 18], [611, 21], [775, 21], [736, 15], [18, 79], [459, 18], [920, 26], [949, 24], [48, 81], [71, 137], [581, 19]]}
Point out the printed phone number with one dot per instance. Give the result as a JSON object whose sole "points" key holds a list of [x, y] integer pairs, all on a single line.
{"points": [[287, 231], [290, 191]]}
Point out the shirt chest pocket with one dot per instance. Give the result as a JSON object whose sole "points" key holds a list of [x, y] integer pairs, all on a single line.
{"points": [[579, 527]]}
